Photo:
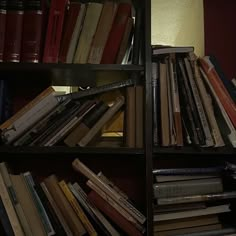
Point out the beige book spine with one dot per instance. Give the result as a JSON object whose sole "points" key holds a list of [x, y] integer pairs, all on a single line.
{"points": [[26, 108], [79, 166], [71, 218], [102, 121], [56, 210], [10, 209], [92, 16]]}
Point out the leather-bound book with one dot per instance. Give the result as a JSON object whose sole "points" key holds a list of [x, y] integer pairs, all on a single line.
{"points": [[13, 34], [32, 31], [3, 12]]}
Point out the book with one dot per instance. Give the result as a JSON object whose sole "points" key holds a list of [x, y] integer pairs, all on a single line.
{"points": [[32, 32], [3, 13], [18, 208], [57, 211], [95, 214], [114, 216], [165, 49], [115, 36], [79, 211], [108, 14], [186, 214], [118, 103], [13, 31], [196, 198], [28, 115], [62, 203], [69, 28], [80, 167], [90, 23], [54, 31], [28, 206], [187, 187]]}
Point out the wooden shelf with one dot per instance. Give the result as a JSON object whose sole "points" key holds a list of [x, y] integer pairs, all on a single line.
{"points": [[4, 66], [71, 150], [194, 151]]}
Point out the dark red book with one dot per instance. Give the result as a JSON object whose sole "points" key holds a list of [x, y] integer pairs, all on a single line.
{"points": [[54, 31], [13, 34], [115, 37], [113, 214], [70, 22], [3, 13], [32, 32]]}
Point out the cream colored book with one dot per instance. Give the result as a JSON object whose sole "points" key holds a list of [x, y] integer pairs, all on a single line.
{"points": [[103, 29], [91, 20], [80, 167], [16, 226]]}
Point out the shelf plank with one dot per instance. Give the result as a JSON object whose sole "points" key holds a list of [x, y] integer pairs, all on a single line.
{"points": [[195, 152], [4, 66], [71, 150]]}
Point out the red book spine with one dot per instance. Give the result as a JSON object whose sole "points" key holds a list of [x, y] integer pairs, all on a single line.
{"points": [[31, 38], [3, 13], [70, 21], [13, 34], [114, 40], [54, 31], [113, 215]]}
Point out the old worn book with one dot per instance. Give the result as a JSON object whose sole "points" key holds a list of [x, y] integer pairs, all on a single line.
{"points": [[27, 203], [62, 203], [79, 211], [166, 49], [80, 167], [5, 197], [113, 215], [102, 32], [90, 23], [188, 187]]}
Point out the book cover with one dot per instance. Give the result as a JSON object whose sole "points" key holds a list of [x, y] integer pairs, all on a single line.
{"points": [[13, 31], [32, 32], [54, 31]]}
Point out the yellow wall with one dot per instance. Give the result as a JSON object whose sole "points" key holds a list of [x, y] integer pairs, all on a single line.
{"points": [[178, 23]]}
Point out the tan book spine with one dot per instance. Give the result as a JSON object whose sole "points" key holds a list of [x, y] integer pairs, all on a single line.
{"points": [[102, 121], [21, 215], [79, 211], [56, 210], [26, 108], [79, 166], [103, 29], [66, 209], [10, 209], [130, 117]]}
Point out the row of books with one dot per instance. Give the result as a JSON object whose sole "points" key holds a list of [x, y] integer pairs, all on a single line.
{"points": [[65, 31], [193, 201], [77, 119], [56, 207], [193, 102]]}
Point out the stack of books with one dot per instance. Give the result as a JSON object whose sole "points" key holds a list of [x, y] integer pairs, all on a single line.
{"points": [[194, 103], [57, 207], [74, 119], [191, 201], [65, 31]]}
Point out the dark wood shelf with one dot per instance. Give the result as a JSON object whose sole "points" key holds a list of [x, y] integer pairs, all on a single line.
{"points": [[4, 66], [71, 150], [194, 151]]}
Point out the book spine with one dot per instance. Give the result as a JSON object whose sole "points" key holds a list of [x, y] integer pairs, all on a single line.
{"points": [[102, 121], [3, 13], [88, 226], [13, 34], [54, 31], [32, 32], [80, 167]]}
